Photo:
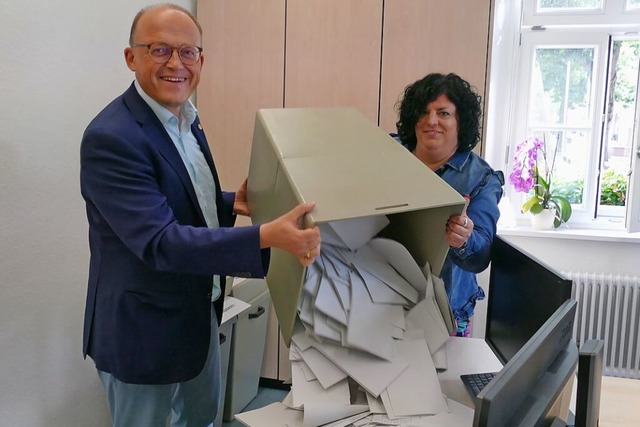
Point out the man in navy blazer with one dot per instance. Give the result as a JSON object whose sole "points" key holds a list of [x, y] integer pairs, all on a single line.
{"points": [[149, 324]]}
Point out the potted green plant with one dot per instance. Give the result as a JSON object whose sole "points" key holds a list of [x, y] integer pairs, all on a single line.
{"points": [[532, 173]]}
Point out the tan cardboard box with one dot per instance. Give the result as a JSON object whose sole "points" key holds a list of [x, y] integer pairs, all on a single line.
{"points": [[351, 168]]}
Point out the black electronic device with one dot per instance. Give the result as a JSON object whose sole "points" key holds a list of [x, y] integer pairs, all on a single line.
{"points": [[590, 367], [531, 388], [477, 381], [523, 293]]}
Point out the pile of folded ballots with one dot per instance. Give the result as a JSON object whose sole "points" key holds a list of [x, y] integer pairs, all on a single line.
{"points": [[368, 341]]}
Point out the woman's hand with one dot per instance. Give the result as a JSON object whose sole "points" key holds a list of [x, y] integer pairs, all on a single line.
{"points": [[458, 230]]}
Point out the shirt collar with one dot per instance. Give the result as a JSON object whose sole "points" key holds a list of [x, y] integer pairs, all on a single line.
{"points": [[188, 110], [458, 160]]}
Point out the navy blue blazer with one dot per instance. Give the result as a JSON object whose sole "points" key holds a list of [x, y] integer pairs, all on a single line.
{"points": [[147, 317]]}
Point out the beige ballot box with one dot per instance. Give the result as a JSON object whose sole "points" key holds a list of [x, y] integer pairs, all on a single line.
{"points": [[351, 168]]}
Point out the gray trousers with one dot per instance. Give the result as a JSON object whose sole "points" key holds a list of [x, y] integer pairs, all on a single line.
{"points": [[192, 403]]}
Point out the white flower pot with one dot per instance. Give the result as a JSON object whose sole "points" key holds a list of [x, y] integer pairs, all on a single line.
{"points": [[543, 220]]}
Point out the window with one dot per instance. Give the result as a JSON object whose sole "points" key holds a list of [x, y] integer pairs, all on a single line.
{"points": [[567, 5], [577, 79]]}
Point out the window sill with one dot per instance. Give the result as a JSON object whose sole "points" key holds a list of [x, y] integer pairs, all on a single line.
{"points": [[619, 236], [512, 224]]}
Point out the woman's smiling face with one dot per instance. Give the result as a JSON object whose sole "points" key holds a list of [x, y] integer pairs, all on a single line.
{"points": [[437, 130]]}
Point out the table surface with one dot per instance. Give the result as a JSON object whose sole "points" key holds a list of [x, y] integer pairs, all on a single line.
{"points": [[465, 356], [619, 398]]}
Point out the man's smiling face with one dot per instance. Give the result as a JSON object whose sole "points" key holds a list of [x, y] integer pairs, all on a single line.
{"points": [[170, 84]]}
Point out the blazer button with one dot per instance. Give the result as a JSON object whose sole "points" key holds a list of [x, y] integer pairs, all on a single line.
{"points": [[209, 296]]}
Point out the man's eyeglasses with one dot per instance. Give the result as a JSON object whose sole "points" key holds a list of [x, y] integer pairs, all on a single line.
{"points": [[161, 52]]}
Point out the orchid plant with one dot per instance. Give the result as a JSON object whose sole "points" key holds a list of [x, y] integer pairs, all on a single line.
{"points": [[533, 174]]}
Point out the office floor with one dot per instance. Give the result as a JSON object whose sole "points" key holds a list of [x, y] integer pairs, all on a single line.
{"points": [[264, 397], [619, 402]]}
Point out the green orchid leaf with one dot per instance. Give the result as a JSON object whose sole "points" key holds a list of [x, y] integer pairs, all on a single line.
{"points": [[563, 210], [543, 183], [558, 213], [533, 205], [563, 207], [536, 209]]}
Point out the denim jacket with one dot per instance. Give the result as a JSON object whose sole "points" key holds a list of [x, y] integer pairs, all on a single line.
{"points": [[471, 175]]}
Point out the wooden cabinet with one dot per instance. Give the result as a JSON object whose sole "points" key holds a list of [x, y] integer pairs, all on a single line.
{"points": [[426, 36], [243, 71], [313, 53], [333, 54], [304, 53]]}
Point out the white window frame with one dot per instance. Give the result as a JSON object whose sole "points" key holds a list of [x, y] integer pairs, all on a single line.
{"points": [[515, 51], [531, 39], [632, 217], [612, 13]]}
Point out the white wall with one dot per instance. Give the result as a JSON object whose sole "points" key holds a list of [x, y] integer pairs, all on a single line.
{"points": [[60, 63]]}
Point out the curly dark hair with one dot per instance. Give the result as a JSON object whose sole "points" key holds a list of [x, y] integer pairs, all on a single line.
{"points": [[420, 93]]}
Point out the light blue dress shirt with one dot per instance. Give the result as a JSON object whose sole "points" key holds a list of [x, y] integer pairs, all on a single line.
{"points": [[193, 159]]}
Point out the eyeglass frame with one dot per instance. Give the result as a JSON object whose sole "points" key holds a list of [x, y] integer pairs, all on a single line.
{"points": [[173, 48]]}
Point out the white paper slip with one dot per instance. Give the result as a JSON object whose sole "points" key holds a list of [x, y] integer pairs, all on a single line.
{"points": [[372, 373], [274, 415], [417, 390], [233, 307], [326, 372], [353, 233]]}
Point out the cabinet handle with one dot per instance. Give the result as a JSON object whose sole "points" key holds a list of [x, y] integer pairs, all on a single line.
{"points": [[257, 314]]}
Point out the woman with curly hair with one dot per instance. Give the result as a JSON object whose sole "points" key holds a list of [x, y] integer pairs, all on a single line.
{"points": [[439, 121]]}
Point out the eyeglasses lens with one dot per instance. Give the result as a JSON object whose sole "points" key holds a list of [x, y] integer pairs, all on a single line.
{"points": [[161, 53]]}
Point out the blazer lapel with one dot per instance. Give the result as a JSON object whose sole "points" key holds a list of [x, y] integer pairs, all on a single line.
{"points": [[198, 132], [153, 129]]}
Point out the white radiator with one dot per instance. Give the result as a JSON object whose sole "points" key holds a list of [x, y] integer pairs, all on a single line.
{"points": [[609, 310]]}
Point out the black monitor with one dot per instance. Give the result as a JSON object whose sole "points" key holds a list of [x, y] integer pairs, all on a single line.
{"points": [[530, 389], [523, 293]]}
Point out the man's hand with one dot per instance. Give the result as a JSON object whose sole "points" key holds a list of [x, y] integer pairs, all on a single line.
{"points": [[284, 233], [240, 204]]}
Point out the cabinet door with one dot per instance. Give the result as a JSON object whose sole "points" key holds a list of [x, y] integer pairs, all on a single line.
{"points": [[243, 71], [333, 54], [425, 36]]}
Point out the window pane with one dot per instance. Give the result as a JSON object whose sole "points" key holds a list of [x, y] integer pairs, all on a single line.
{"points": [[619, 122], [561, 86], [569, 4], [632, 5], [571, 164], [566, 154]]}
